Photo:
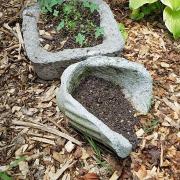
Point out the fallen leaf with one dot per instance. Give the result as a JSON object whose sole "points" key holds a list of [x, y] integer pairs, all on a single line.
{"points": [[91, 176], [15, 108], [69, 146], [58, 157], [164, 65], [24, 168], [140, 133]]}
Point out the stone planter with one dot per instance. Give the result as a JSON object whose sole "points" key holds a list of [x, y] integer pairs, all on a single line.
{"points": [[50, 65], [135, 81]]}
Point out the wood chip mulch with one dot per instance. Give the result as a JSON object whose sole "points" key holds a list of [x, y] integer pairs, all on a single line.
{"points": [[36, 141]]}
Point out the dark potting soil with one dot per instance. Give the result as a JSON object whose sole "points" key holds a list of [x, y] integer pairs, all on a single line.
{"points": [[107, 102], [79, 20]]}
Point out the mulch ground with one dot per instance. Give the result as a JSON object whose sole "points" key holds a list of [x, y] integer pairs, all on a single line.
{"points": [[28, 110]]}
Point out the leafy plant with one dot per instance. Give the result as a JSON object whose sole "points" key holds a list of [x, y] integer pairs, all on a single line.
{"points": [[172, 21], [123, 30], [67, 9], [135, 4], [99, 32], [80, 39], [173, 4], [171, 13], [72, 15], [71, 24], [55, 13], [92, 6], [61, 25], [47, 5]]}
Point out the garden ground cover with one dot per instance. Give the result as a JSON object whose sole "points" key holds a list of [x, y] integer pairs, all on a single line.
{"points": [[28, 108]]}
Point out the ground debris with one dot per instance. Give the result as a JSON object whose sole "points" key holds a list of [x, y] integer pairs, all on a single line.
{"points": [[26, 99]]}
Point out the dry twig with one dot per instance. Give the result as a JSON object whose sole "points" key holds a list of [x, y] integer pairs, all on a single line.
{"points": [[47, 129]]}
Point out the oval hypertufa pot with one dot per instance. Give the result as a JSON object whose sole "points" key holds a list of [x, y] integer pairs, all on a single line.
{"points": [[136, 84]]}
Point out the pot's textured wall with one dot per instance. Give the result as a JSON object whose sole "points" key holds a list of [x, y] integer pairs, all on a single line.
{"points": [[135, 81], [50, 65]]}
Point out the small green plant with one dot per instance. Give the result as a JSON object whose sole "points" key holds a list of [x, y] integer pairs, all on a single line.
{"points": [[68, 8], [80, 39], [123, 30], [171, 12], [149, 127], [92, 6], [99, 32], [55, 13], [60, 26], [47, 5]]}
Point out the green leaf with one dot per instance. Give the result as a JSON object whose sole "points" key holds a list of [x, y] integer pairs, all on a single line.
{"points": [[5, 176], [60, 26], [136, 14], [172, 21], [49, 8], [44, 10], [135, 4], [60, 1], [67, 9], [123, 30], [146, 9], [95, 147], [53, 2], [99, 32], [93, 7], [71, 24], [55, 13], [173, 4], [80, 39], [86, 4]]}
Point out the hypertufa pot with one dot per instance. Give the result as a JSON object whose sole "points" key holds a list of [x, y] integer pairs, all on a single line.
{"points": [[50, 65], [136, 84]]}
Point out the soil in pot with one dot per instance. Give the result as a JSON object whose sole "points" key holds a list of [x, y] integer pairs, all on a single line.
{"points": [[69, 24], [107, 102]]}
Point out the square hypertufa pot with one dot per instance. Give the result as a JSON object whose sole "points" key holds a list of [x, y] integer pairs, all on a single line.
{"points": [[50, 65]]}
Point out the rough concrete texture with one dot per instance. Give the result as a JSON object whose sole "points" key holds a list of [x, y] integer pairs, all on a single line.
{"points": [[135, 81], [50, 65]]}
